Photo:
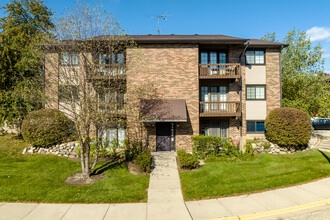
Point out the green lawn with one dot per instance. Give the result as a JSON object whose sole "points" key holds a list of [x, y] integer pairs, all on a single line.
{"points": [[37, 178], [223, 178]]}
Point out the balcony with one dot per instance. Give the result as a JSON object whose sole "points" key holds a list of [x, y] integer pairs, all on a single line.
{"points": [[108, 71], [114, 109], [219, 71], [220, 109]]}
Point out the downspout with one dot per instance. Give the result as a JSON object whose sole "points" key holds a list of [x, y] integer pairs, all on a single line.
{"points": [[280, 63], [241, 86]]}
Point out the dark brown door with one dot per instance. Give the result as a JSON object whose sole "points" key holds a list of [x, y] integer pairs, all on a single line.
{"points": [[163, 136]]}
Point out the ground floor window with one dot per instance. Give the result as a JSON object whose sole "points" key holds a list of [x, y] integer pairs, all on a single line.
{"points": [[113, 134], [255, 126], [218, 129]]}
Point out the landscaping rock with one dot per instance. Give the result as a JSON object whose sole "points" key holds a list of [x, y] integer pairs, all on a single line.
{"points": [[64, 150]]}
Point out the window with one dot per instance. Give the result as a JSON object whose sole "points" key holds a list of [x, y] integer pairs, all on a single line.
{"points": [[255, 92], [217, 129], [255, 57], [68, 93], [214, 95], [222, 57], [255, 126], [213, 57], [111, 100], [105, 61], [113, 134], [69, 58], [117, 58]]}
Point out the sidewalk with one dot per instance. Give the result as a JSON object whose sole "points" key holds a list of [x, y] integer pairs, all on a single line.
{"points": [[165, 201]]}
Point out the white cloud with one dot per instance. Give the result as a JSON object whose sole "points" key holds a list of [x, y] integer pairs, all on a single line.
{"points": [[326, 55], [318, 33]]}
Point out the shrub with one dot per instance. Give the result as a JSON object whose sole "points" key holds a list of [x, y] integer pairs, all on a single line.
{"points": [[248, 147], [206, 146], [47, 127], [186, 160], [132, 149], [288, 127], [143, 161]]}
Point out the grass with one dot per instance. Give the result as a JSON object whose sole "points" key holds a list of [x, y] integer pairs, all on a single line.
{"points": [[40, 178], [224, 178]]}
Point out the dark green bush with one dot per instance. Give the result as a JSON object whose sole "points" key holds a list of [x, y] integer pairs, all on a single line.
{"points": [[143, 161], [47, 127], [206, 146], [186, 160], [288, 127], [132, 149]]}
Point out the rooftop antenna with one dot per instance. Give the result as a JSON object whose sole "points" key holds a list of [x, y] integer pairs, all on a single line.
{"points": [[160, 17]]}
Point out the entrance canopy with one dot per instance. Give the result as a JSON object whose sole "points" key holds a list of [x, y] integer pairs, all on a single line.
{"points": [[163, 110]]}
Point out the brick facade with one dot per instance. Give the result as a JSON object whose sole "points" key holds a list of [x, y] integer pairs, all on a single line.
{"points": [[273, 79], [173, 69], [51, 80]]}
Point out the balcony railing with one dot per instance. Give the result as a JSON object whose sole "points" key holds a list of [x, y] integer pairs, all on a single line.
{"points": [[219, 71], [216, 109], [108, 70], [112, 109]]}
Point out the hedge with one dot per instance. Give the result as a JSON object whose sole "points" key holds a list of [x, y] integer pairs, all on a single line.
{"points": [[288, 127], [47, 127]]}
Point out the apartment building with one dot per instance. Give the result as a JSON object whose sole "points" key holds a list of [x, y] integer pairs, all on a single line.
{"points": [[210, 85]]}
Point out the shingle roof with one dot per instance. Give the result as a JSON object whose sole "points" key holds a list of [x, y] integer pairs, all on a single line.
{"points": [[198, 39], [194, 39], [257, 42], [179, 38]]}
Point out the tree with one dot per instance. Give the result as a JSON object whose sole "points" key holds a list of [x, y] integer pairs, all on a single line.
{"points": [[25, 26], [85, 74], [303, 82]]}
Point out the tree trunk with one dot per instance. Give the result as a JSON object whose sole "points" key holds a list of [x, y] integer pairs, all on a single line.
{"points": [[85, 151], [99, 139]]}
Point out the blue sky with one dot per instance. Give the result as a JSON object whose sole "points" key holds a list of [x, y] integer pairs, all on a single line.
{"points": [[246, 19]]}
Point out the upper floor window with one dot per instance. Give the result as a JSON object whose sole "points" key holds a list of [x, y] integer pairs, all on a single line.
{"points": [[111, 100], [255, 92], [69, 58], [114, 58], [255, 57], [213, 57]]}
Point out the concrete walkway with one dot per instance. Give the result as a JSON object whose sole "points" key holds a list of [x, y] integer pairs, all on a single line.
{"points": [[165, 201]]}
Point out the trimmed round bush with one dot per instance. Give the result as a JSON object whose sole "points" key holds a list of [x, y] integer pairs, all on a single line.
{"points": [[47, 127], [288, 127]]}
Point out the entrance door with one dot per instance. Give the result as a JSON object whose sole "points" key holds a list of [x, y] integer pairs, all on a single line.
{"points": [[163, 136]]}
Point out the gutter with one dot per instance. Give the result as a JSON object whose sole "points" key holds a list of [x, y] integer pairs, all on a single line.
{"points": [[280, 63], [241, 86]]}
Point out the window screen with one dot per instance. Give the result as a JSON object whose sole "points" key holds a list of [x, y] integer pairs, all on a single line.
{"points": [[222, 57], [249, 57], [69, 58], [260, 92], [255, 126], [259, 57], [255, 57], [213, 57], [204, 57], [255, 92]]}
